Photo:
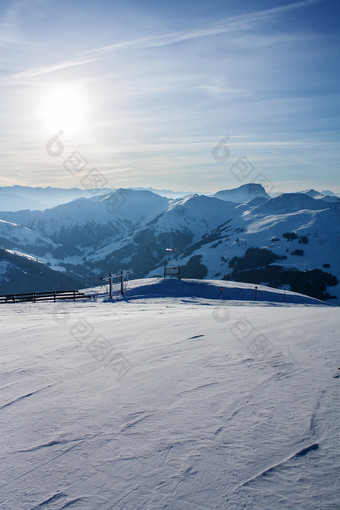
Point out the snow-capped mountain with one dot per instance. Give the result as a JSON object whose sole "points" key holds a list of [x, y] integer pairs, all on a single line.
{"points": [[328, 196], [327, 192], [195, 215], [17, 198], [243, 194], [86, 222], [291, 240]]}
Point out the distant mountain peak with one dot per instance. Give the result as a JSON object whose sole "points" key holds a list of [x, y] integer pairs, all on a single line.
{"points": [[321, 195], [329, 193], [312, 193], [243, 193]]}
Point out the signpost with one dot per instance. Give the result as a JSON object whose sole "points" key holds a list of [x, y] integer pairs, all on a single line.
{"points": [[172, 271], [166, 250], [110, 277]]}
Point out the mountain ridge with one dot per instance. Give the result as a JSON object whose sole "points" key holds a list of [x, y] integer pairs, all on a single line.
{"points": [[130, 229]]}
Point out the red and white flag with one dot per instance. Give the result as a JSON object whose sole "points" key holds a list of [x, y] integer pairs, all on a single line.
{"points": [[169, 249]]}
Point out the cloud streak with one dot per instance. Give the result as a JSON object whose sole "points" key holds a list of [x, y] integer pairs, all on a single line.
{"points": [[230, 24]]}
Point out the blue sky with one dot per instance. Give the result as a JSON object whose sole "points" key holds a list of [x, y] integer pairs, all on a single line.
{"points": [[144, 91]]}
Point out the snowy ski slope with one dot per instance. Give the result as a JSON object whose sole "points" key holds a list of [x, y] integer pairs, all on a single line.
{"points": [[170, 399]]}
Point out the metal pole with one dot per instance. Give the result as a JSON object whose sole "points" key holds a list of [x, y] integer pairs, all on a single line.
{"points": [[121, 283], [110, 278]]}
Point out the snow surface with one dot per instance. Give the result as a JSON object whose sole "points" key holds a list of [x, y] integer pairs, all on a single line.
{"points": [[187, 403]]}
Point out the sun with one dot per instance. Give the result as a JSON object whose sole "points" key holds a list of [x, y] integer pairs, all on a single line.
{"points": [[64, 110]]}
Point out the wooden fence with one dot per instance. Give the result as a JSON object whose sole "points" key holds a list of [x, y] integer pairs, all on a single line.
{"points": [[54, 295]]}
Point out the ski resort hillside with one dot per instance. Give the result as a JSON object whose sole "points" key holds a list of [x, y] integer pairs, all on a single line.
{"points": [[290, 241], [172, 396]]}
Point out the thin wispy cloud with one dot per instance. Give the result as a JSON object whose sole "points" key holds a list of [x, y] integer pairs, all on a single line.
{"points": [[230, 24], [40, 71]]}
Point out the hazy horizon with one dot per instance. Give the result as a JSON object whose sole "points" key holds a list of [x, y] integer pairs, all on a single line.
{"points": [[187, 191]]}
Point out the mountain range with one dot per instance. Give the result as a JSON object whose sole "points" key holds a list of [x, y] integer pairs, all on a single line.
{"points": [[288, 241], [16, 198]]}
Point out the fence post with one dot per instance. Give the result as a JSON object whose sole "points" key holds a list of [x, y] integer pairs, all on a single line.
{"points": [[121, 283], [13, 297], [33, 297], [74, 295], [111, 285], [255, 292]]}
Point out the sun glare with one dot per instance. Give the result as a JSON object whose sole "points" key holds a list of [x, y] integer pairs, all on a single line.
{"points": [[64, 110]]}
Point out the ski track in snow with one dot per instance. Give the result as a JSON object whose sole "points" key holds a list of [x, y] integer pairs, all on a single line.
{"points": [[47, 445], [198, 423], [302, 451], [7, 404]]}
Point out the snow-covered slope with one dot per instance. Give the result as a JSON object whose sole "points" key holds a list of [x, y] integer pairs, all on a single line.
{"points": [[169, 403], [290, 202], [21, 273], [184, 222], [296, 242], [20, 238], [196, 215]]}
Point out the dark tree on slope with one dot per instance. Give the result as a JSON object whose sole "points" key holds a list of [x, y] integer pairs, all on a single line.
{"points": [[194, 268], [313, 283], [254, 257]]}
